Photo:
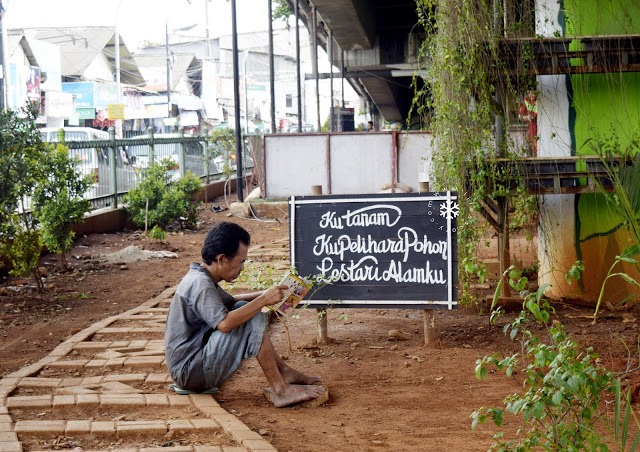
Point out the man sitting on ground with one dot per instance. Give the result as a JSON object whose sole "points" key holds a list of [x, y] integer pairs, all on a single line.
{"points": [[209, 331]]}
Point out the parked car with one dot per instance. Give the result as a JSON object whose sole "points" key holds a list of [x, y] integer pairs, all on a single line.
{"points": [[193, 155], [306, 128]]}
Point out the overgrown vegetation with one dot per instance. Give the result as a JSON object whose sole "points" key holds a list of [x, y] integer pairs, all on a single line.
{"points": [[563, 386], [41, 194], [156, 201], [467, 99]]}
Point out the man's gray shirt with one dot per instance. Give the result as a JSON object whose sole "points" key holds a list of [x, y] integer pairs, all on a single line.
{"points": [[198, 305]]}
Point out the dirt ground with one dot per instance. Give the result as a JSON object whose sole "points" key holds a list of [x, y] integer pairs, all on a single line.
{"points": [[384, 394]]}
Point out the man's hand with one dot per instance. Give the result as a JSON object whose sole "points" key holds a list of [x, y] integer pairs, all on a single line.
{"points": [[272, 295], [237, 317]]}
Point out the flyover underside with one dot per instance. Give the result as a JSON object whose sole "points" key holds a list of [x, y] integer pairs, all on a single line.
{"points": [[392, 97], [352, 22]]}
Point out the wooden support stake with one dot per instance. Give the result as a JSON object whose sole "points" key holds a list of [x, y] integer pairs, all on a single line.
{"points": [[320, 313], [429, 326], [429, 318], [323, 337], [504, 253]]}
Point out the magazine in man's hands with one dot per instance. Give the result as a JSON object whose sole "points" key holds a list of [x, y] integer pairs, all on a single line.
{"points": [[298, 287]]}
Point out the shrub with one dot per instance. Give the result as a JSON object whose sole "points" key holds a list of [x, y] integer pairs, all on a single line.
{"points": [[58, 200], [563, 385], [156, 201], [21, 169]]}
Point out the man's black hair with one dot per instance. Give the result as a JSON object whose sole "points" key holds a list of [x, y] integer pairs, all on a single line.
{"points": [[224, 238]]}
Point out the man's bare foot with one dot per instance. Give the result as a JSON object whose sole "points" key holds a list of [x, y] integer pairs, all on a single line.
{"points": [[291, 394], [296, 377]]}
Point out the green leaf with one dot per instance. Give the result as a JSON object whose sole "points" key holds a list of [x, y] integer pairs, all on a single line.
{"points": [[627, 259], [632, 250], [481, 371], [496, 295], [497, 415], [627, 278], [538, 409]]}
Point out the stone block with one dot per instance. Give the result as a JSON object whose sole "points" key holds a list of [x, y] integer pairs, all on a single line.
{"points": [[205, 424], [81, 427], [87, 399], [63, 400], [40, 427], [141, 427], [103, 428], [29, 401]]}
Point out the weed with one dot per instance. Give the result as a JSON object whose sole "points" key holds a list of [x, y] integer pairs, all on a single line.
{"points": [[562, 388]]}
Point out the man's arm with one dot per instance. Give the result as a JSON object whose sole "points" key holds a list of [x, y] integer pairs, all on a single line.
{"points": [[243, 314], [248, 296]]}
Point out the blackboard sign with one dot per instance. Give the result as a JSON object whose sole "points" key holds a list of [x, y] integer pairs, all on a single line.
{"points": [[379, 250]]}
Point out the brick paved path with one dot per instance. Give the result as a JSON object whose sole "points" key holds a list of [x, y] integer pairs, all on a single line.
{"points": [[106, 389]]}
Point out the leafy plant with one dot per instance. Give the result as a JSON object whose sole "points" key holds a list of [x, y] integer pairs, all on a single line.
{"points": [[562, 388], [157, 233], [282, 11], [222, 143], [318, 282], [21, 169], [257, 276], [58, 200], [156, 201], [23, 250], [627, 256], [261, 276]]}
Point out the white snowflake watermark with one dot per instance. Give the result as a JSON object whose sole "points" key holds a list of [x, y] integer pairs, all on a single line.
{"points": [[449, 210]]}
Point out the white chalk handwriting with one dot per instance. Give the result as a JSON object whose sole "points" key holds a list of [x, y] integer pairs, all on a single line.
{"points": [[351, 256]]}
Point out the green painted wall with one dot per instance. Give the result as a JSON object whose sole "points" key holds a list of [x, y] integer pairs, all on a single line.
{"points": [[607, 106]]}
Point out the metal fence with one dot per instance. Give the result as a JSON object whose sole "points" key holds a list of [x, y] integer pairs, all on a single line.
{"points": [[117, 165]]}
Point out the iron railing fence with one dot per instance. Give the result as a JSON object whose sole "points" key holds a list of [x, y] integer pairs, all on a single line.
{"points": [[117, 164]]}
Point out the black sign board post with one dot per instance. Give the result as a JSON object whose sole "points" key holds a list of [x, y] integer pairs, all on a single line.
{"points": [[377, 250]]}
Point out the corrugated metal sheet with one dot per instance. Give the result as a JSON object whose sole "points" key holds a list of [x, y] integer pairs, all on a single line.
{"points": [[80, 46], [16, 38]]}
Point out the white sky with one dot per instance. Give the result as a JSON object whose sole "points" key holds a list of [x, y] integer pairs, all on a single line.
{"points": [[138, 20]]}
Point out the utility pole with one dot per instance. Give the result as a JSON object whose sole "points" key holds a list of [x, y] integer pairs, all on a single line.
{"points": [[206, 26], [314, 64], [342, 75], [330, 49], [117, 52], [167, 52], [246, 92], [236, 102], [272, 82], [3, 62], [297, 15]]}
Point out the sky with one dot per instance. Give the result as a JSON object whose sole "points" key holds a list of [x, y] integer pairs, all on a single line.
{"points": [[139, 20]]}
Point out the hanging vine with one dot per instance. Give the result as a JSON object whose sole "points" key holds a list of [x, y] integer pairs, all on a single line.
{"points": [[467, 101]]}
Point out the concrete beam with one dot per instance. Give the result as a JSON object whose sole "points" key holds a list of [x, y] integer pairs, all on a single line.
{"points": [[352, 22]]}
